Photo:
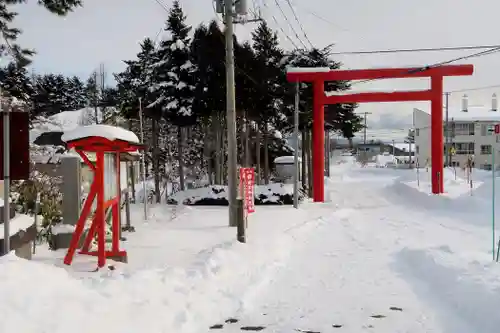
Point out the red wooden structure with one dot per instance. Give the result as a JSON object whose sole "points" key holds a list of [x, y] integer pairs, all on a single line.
{"points": [[100, 146], [318, 77]]}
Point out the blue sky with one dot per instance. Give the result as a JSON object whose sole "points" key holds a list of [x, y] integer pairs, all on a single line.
{"points": [[108, 31]]}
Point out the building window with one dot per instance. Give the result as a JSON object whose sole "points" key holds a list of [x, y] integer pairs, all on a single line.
{"points": [[417, 149], [464, 148], [485, 130], [463, 129], [417, 132], [485, 149]]}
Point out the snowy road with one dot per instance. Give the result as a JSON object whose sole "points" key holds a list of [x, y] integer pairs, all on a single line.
{"points": [[341, 277]]}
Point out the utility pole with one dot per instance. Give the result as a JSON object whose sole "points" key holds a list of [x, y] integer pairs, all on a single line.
{"points": [[231, 115], [230, 17], [364, 130], [6, 175], [296, 148], [447, 131]]}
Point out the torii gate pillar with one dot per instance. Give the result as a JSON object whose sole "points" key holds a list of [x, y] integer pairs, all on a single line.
{"points": [[319, 75]]}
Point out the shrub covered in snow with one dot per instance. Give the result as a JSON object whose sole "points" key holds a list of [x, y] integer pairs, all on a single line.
{"points": [[216, 195], [24, 192]]}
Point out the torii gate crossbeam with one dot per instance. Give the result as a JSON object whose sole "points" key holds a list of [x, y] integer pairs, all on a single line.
{"points": [[318, 77]]}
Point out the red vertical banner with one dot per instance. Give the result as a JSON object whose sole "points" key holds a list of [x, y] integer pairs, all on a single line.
{"points": [[249, 190], [247, 183]]}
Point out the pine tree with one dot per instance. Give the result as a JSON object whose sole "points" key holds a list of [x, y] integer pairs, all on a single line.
{"points": [[10, 34], [174, 79], [208, 52], [92, 96], [75, 93], [135, 81], [174, 73], [51, 95], [269, 74], [14, 80]]}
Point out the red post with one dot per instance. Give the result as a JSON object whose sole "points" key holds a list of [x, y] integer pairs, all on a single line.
{"points": [[99, 214], [318, 141], [116, 210], [437, 148], [80, 225]]}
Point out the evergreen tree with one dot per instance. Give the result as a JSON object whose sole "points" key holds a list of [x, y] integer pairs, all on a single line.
{"points": [[268, 73], [246, 88], [208, 52], [92, 91], [14, 80], [134, 82], [10, 34], [174, 73], [75, 93], [109, 97], [51, 95]]}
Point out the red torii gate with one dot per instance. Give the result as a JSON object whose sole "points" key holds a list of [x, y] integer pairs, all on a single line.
{"points": [[318, 77]]}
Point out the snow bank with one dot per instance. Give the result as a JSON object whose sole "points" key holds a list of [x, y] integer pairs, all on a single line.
{"points": [[385, 160], [285, 160], [464, 302], [271, 194], [18, 223], [58, 302]]}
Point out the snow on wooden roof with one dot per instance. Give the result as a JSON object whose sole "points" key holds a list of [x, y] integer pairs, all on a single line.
{"points": [[104, 131], [308, 69]]}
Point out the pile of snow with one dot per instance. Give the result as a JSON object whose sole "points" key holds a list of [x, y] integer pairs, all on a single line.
{"points": [[385, 160], [20, 222], [453, 188], [105, 131], [286, 160], [448, 280], [216, 195]]}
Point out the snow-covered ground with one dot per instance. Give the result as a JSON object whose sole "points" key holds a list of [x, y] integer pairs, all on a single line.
{"points": [[381, 256]]}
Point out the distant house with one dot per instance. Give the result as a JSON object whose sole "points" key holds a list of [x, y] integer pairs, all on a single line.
{"points": [[401, 149], [470, 136], [397, 149]]}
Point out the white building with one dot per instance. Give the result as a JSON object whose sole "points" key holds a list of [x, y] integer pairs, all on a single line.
{"points": [[469, 135]]}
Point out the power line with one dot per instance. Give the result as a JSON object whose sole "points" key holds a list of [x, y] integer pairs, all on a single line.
{"points": [[290, 24], [281, 28], [300, 24], [309, 11], [475, 89], [430, 49], [424, 68]]}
